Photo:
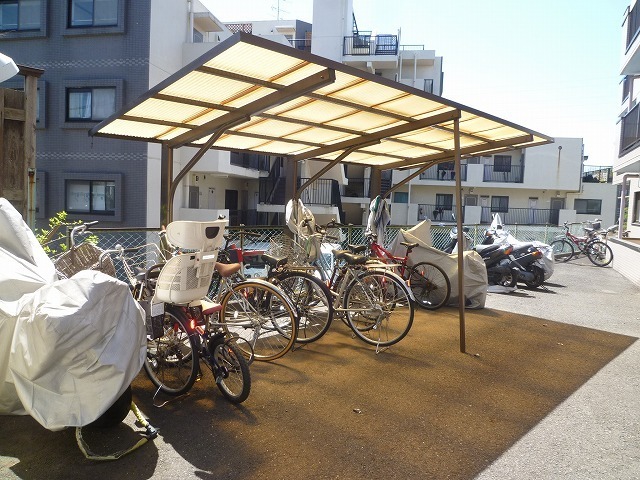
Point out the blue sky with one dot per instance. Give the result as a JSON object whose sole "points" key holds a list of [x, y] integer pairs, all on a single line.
{"points": [[548, 65]]}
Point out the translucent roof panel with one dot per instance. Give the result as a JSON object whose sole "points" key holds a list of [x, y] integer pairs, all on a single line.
{"points": [[256, 95]]}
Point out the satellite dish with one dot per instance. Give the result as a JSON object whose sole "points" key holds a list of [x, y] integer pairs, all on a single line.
{"points": [[8, 68]]}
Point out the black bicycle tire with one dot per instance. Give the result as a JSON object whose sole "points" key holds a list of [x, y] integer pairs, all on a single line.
{"points": [[565, 244], [419, 293], [590, 255], [232, 354], [304, 334], [361, 333], [171, 318], [235, 328]]}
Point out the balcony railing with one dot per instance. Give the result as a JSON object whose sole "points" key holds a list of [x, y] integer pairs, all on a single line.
{"points": [[250, 160], [301, 44], [523, 216], [436, 213], [633, 25], [363, 44], [320, 192], [593, 174], [630, 131], [503, 174], [358, 187], [443, 174]]}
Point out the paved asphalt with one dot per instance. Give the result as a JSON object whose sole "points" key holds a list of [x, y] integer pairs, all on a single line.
{"points": [[550, 390]]}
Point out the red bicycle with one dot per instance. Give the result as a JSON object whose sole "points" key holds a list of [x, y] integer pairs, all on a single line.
{"points": [[428, 282]]}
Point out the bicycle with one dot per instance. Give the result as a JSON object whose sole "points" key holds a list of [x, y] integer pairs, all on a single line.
{"points": [[569, 245], [256, 312], [373, 301], [178, 333], [429, 283]]}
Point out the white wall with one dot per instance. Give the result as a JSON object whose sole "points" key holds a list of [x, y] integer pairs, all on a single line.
{"points": [[332, 21]]}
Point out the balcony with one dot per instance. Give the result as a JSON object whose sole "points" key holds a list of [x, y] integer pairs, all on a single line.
{"points": [[523, 216], [250, 160], [503, 173], [323, 191], [370, 45], [444, 172], [630, 131]]}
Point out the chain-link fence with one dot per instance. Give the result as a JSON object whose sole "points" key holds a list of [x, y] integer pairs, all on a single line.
{"points": [[271, 236]]}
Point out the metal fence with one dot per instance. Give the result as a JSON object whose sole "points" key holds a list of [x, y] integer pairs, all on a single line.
{"points": [[440, 236]]}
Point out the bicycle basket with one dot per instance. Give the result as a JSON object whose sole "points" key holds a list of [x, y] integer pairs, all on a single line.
{"points": [[85, 256]]}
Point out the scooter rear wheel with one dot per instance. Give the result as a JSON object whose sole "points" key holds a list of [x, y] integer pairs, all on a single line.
{"points": [[538, 277]]}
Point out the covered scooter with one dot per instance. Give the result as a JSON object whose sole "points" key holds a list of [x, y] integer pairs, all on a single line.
{"points": [[69, 348]]}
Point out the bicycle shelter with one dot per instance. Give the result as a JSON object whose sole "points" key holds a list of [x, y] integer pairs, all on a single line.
{"points": [[249, 94]]}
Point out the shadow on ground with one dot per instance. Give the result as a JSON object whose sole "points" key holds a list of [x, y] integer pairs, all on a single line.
{"points": [[335, 409]]}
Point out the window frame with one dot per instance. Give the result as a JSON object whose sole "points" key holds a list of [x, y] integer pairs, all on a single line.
{"points": [[586, 210], [401, 197], [447, 204], [117, 180], [70, 91], [502, 163], [502, 204], [31, 33], [67, 85], [97, 29]]}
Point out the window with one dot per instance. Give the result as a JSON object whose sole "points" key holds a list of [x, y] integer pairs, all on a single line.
{"points": [[19, 15], [587, 206], [444, 200], [502, 163], [401, 197], [500, 204], [90, 104], [97, 197], [93, 13]]}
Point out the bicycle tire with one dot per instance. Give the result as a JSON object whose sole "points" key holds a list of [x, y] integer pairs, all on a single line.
{"points": [[378, 308], [562, 250], [231, 372], [172, 361], [430, 285], [313, 301], [599, 253], [262, 316]]}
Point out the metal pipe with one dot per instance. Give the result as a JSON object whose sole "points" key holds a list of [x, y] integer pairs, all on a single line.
{"points": [[461, 297]]}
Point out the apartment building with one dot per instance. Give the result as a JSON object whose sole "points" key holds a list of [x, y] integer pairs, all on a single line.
{"points": [[627, 165], [99, 56]]}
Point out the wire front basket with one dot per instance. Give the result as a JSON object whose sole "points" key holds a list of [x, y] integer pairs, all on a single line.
{"points": [[85, 256], [285, 246]]}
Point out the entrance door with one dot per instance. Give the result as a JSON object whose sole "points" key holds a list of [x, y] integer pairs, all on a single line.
{"points": [[533, 208], [231, 203], [211, 199], [556, 205]]}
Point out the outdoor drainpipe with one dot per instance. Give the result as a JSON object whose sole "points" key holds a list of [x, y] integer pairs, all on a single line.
{"points": [[623, 194]]}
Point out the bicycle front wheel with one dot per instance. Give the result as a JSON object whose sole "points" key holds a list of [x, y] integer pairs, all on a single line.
{"points": [[562, 250], [312, 299], [231, 370], [172, 360], [260, 315], [430, 285], [599, 253], [379, 309]]}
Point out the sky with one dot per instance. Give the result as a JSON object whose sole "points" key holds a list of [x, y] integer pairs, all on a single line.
{"points": [[552, 66]]}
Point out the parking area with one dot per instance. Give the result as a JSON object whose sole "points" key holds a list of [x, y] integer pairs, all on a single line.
{"points": [[547, 389]]}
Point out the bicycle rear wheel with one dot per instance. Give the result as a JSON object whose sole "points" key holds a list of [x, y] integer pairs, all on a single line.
{"points": [[231, 370], [260, 315], [562, 250], [312, 299], [599, 253], [378, 308], [430, 285], [172, 360]]}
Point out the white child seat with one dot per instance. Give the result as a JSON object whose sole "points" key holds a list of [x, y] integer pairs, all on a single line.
{"points": [[187, 276]]}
